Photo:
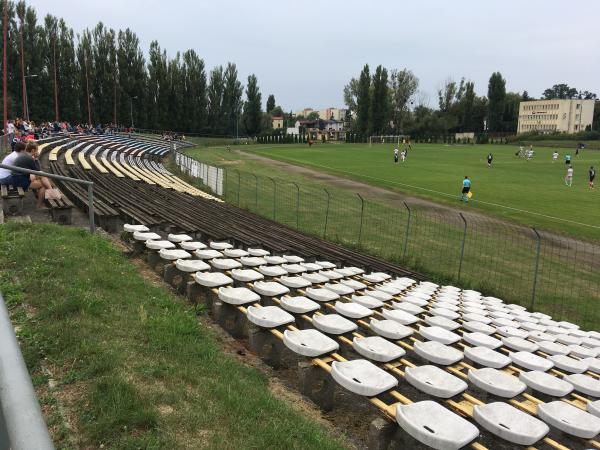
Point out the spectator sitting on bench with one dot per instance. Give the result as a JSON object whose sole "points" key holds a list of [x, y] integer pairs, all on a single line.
{"points": [[10, 159], [27, 160]]}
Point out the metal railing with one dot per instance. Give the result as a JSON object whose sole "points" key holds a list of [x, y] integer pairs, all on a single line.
{"points": [[22, 426], [89, 184]]}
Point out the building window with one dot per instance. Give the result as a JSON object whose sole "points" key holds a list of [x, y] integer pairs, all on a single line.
{"points": [[577, 106]]}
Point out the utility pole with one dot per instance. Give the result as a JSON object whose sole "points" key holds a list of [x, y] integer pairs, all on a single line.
{"points": [[131, 108], [5, 29], [21, 13], [54, 32], [87, 87]]}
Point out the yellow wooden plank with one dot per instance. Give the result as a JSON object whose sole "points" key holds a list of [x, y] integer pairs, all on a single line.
{"points": [[83, 161], [54, 153]]}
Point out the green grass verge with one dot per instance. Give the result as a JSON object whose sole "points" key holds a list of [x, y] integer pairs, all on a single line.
{"points": [[132, 366]]}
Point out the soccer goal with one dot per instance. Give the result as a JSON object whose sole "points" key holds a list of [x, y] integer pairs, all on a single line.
{"points": [[395, 139]]}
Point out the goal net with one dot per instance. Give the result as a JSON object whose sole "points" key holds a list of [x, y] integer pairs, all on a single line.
{"points": [[395, 139]]}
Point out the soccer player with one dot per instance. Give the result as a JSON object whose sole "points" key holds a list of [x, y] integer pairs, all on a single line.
{"points": [[466, 187], [490, 157], [592, 174], [568, 159], [554, 156], [396, 155], [403, 155], [569, 177]]}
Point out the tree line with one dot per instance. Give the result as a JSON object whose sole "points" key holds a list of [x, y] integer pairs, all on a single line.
{"points": [[387, 102], [102, 76]]}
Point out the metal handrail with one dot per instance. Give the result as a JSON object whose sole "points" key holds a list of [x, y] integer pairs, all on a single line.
{"points": [[89, 184], [22, 425]]}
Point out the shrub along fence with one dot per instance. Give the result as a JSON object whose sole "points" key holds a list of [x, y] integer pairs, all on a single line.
{"points": [[534, 268]]}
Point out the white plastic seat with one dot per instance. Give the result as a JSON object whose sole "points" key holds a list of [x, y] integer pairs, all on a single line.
{"points": [[208, 253], [191, 265], [541, 336], [501, 322], [296, 282], [568, 325], [584, 384], [325, 264], [268, 316], [237, 296], [390, 329], [569, 419], [580, 334], [496, 382], [352, 310], [311, 267], [339, 288], [333, 323], [594, 408], [353, 284], [379, 295], [568, 364], [373, 278], [539, 315], [377, 348], [145, 236], [310, 343], [321, 295], [252, 261], [487, 357], [192, 245], [294, 268], [298, 304], [275, 259], [220, 245], [439, 334], [212, 279], [331, 274], [246, 275], [367, 301], [408, 307], [130, 228], [447, 307], [434, 381], [567, 339], [272, 271], [362, 377], [512, 331], [399, 316], [235, 252], [556, 330], [519, 344], [531, 361], [270, 288], [158, 245], [446, 313], [480, 327], [548, 322], [553, 348], [546, 383], [590, 342], [510, 423], [225, 263], [433, 425], [482, 340], [173, 254], [442, 322], [390, 289], [345, 271], [582, 352], [294, 259], [593, 364], [437, 352], [315, 278], [528, 326], [355, 270], [258, 252], [179, 238]]}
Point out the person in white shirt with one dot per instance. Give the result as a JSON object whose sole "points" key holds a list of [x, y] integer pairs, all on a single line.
{"points": [[555, 156], [569, 177], [403, 155], [396, 155], [10, 159]]}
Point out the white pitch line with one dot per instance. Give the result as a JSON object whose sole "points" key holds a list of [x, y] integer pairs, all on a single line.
{"points": [[533, 213]]}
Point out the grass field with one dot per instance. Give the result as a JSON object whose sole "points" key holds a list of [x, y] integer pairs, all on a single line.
{"points": [[121, 363], [532, 193]]}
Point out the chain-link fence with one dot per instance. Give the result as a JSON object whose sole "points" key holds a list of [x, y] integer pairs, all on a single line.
{"points": [[540, 270]]}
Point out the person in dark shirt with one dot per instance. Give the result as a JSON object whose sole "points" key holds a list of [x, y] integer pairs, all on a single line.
{"points": [[27, 160]]}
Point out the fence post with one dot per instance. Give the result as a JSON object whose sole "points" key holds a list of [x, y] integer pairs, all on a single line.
{"points": [[462, 247], [326, 213], [225, 184], [255, 191], [537, 265], [362, 210], [90, 192], [274, 196], [297, 205], [239, 182], [407, 232]]}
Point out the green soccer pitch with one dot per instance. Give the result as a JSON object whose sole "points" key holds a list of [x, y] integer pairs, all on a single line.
{"points": [[531, 192]]}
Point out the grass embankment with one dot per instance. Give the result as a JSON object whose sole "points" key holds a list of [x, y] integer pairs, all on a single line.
{"points": [[120, 363], [499, 258]]}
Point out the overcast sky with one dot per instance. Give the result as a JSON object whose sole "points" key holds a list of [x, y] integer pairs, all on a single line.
{"points": [[304, 52]]}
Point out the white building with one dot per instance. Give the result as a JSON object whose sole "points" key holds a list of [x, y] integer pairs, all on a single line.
{"points": [[549, 116]]}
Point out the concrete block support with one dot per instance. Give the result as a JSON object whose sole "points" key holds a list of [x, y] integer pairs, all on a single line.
{"points": [[316, 384], [269, 347], [230, 319]]}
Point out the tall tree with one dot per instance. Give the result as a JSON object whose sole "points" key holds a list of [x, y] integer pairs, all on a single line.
{"points": [[252, 107], [379, 108], [496, 102], [559, 91], [403, 86], [196, 101], [232, 99], [270, 103], [215, 101], [363, 100]]}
